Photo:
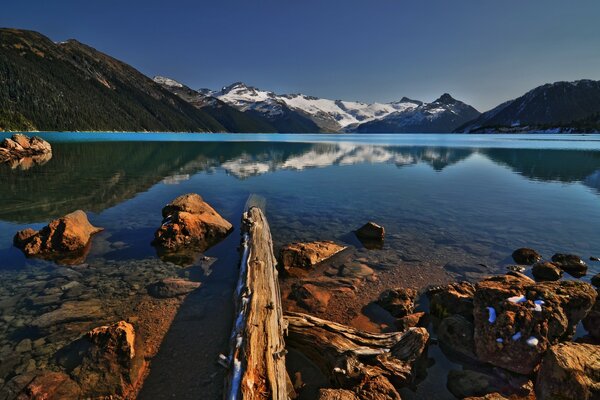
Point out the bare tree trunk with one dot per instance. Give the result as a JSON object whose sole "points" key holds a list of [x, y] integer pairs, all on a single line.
{"points": [[257, 358]]}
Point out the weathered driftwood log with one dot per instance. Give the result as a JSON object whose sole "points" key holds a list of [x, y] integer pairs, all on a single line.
{"points": [[366, 363], [257, 359]]}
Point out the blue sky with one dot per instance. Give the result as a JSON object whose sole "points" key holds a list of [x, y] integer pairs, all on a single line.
{"points": [[481, 51]]}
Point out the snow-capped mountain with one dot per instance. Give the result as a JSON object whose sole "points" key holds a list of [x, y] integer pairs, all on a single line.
{"points": [[328, 115], [555, 106], [443, 115]]}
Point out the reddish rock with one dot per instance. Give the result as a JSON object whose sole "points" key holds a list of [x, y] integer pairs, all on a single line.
{"points": [[410, 321], [371, 231], [311, 297], [20, 146], [50, 385], [106, 361], [337, 394], [455, 298], [190, 222], [455, 334], [399, 302], [510, 325], [64, 239], [570, 371], [307, 255], [546, 271], [526, 256]]}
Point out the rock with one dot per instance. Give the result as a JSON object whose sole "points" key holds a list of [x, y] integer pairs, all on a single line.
{"points": [[172, 287], [371, 231], [48, 385], [594, 258], [20, 146], [596, 280], [376, 387], [24, 346], [489, 396], [399, 302], [570, 371], [190, 222], [105, 362], [591, 322], [87, 310], [526, 256], [311, 297], [516, 268], [64, 239], [455, 298], [469, 383], [455, 334], [571, 264], [337, 394], [546, 271], [410, 321], [307, 255], [371, 235], [515, 320], [522, 277]]}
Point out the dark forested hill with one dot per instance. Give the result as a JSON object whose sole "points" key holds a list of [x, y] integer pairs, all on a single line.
{"points": [[71, 86]]}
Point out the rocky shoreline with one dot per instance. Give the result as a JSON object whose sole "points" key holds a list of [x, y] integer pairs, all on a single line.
{"points": [[89, 321], [23, 152]]}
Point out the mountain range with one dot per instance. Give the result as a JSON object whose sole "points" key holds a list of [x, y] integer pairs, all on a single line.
{"points": [[70, 86]]}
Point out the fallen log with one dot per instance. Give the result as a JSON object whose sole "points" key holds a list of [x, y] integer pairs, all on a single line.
{"points": [[366, 363], [257, 356]]}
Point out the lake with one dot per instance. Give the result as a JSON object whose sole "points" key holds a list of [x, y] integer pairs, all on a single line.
{"points": [[453, 206]]}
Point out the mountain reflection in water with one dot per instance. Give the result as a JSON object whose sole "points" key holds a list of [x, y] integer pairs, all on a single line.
{"points": [[98, 175]]}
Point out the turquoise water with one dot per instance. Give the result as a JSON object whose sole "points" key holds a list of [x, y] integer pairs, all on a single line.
{"points": [[466, 200]]}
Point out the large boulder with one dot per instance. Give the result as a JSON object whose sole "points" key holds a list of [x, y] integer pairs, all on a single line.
{"points": [[307, 254], [20, 146], [454, 298], [106, 361], [188, 221], [516, 320], [526, 256], [399, 302], [571, 264], [570, 371], [64, 239]]}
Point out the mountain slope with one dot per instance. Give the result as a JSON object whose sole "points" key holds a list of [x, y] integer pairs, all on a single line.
{"points": [[327, 115], [443, 115], [561, 105], [70, 86], [231, 118]]}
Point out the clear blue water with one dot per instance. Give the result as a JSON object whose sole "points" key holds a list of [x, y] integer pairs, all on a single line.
{"points": [[459, 199]]}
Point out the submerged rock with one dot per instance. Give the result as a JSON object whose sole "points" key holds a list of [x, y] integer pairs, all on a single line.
{"points": [[190, 222], [399, 302], [20, 146], [546, 271], [469, 383], [307, 254], [371, 235], [65, 239], [172, 287], [455, 334], [49, 385], [85, 310], [570, 371], [526, 256], [529, 318], [311, 297], [454, 298], [571, 264]]}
